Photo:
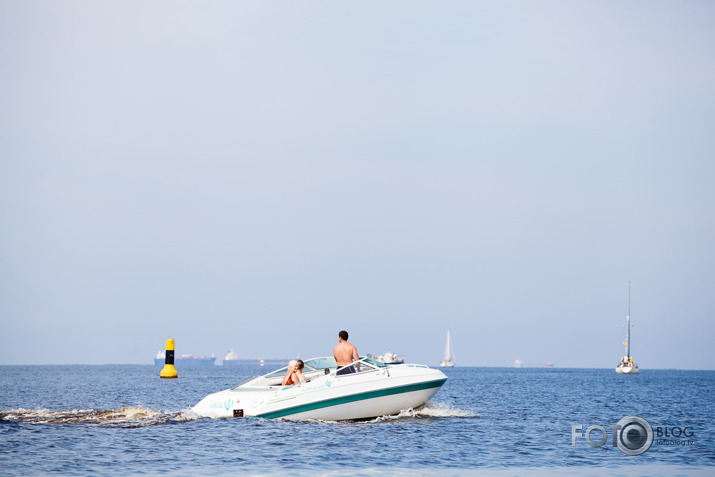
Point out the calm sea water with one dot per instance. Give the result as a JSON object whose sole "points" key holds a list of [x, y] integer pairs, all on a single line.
{"points": [[125, 420]]}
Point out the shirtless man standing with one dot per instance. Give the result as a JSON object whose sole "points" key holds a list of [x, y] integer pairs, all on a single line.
{"points": [[345, 353]]}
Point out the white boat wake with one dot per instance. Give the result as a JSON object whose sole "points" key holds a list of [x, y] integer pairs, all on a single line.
{"points": [[431, 410], [130, 417], [124, 417]]}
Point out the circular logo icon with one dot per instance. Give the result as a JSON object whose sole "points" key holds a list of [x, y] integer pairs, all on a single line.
{"points": [[635, 435]]}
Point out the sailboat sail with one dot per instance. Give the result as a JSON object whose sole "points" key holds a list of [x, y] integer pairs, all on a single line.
{"points": [[448, 361]]}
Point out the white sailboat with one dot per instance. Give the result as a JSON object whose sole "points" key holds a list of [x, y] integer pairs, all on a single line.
{"points": [[448, 361], [627, 365]]}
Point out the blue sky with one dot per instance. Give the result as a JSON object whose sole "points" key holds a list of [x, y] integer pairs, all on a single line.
{"points": [[260, 175]]}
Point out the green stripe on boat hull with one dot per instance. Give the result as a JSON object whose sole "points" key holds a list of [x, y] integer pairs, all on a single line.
{"points": [[353, 398]]}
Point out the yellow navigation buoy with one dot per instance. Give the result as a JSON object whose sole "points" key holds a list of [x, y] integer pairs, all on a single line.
{"points": [[169, 372]]}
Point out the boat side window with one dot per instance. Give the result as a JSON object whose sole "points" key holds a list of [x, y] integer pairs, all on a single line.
{"points": [[274, 378], [277, 373]]}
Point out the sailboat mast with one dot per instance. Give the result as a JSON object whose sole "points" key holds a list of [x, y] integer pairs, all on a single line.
{"points": [[628, 319]]}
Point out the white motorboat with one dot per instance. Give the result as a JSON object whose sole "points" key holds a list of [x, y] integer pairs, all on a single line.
{"points": [[372, 389], [627, 365], [448, 361]]}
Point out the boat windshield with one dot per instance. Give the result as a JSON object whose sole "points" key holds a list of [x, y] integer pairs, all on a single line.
{"points": [[325, 365], [311, 365], [314, 367], [317, 364]]}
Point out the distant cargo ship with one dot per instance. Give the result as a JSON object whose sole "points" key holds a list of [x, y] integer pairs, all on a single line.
{"points": [[255, 362], [388, 358], [232, 359], [185, 360]]}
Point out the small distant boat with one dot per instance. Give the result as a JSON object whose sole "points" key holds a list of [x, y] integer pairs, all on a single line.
{"points": [[627, 365], [448, 361], [517, 363], [184, 360], [388, 358]]}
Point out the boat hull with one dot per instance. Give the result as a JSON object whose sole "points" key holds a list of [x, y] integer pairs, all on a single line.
{"points": [[627, 370], [331, 397]]}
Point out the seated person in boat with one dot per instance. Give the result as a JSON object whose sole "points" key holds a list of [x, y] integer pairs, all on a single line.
{"points": [[345, 354], [294, 374], [288, 377]]}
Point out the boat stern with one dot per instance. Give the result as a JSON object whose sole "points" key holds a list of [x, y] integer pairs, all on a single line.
{"points": [[221, 404]]}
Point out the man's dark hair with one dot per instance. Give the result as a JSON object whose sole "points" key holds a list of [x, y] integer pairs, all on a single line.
{"points": [[344, 335]]}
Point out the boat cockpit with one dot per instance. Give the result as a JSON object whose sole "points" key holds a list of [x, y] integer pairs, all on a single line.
{"points": [[314, 368]]}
